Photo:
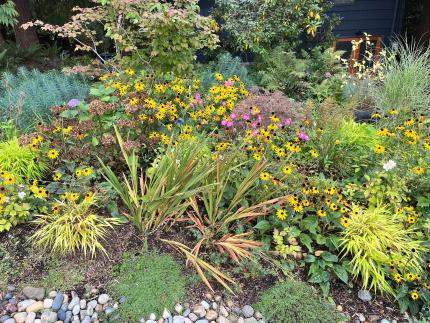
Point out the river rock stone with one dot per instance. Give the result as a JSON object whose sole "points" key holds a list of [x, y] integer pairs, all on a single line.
{"points": [[61, 314], [179, 308], [223, 311], [205, 305], [193, 317], [35, 307], [34, 293], [103, 299], [20, 317], [73, 303], [82, 304], [251, 320], [199, 310], [222, 319], [47, 303], [178, 319], [364, 295], [48, 316], [247, 311], [211, 315], [22, 306], [57, 302], [31, 317], [76, 309], [11, 320]]}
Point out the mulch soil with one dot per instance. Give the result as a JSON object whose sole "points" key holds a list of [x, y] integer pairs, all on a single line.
{"points": [[127, 239]]}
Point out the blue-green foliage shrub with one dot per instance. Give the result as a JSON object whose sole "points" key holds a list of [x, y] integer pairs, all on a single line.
{"points": [[27, 96], [227, 65]]}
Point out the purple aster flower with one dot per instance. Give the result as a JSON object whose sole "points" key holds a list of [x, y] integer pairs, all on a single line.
{"points": [[73, 103]]}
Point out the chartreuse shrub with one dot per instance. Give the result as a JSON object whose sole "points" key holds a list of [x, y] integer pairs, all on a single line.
{"points": [[27, 96], [149, 282], [296, 301], [73, 226], [376, 239], [20, 161]]}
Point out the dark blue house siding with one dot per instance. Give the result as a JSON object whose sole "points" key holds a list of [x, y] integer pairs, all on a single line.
{"points": [[376, 17]]}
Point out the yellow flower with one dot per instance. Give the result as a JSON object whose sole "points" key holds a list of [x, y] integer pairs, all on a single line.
{"points": [[55, 209], [257, 156], [287, 170], [314, 153], [264, 176], [281, 214], [139, 86], [9, 179], [67, 129], [87, 171], [321, 213], [333, 206], [57, 177], [129, 71], [397, 278], [40, 192], [2, 198], [415, 295], [344, 222], [419, 170], [134, 101], [78, 173], [74, 196], [218, 76], [65, 196], [53, 154], [89, 196], [378, 149]]}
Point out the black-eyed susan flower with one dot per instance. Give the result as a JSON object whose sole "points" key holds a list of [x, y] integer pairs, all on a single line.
{"points": [[2, 198], [397, 278], [53, 154], [287, 170], [87, 171], [313, 153], [281, 214], [40, 192], [419, 170], [265, 176], [73, 196], [88, 196], [415, 295], [321, 212], [57, 177], [378, 149], [55, 209], [345, 222]]}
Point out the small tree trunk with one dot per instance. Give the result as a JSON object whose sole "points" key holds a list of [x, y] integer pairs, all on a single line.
{"points": [[2, 40], [24, 38], [423, 31]]}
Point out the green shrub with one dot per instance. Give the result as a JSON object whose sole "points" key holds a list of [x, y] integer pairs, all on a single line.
{"points": [[298, 302], [21, 161], [406, 82], [26, 97], [228, 66], [150, 282]]}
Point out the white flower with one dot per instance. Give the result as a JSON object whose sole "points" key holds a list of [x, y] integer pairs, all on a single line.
{"points": [[389, 165], [21, 195]]}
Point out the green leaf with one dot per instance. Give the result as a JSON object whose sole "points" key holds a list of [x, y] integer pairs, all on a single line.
{"points": [[263, 226], [341, 273], [94, 141], [306, 240], [327, 256], [310, 258], [310, 223], [69, 114]]}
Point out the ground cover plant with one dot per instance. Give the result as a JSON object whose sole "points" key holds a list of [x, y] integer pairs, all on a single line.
{"points": [[150, 282], [234, 176]]}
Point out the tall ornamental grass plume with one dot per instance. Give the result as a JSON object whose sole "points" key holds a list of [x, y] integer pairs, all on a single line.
{"points": [[405, 85]]}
